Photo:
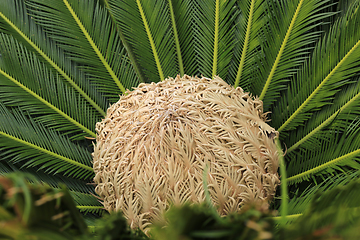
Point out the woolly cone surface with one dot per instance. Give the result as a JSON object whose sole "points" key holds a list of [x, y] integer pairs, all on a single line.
{"points": [[154, 144]]}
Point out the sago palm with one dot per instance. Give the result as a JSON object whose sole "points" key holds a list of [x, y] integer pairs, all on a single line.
{"points": [[63, 62]]}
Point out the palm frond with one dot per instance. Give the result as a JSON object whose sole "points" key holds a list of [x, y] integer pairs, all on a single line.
{"points": [[24, 140], [127, 47], [334, 62], [301, 200], [343, 6], [147, 27], [339, 150], [214, 41], [176, 37], [15, 20], [183, 11], [87, 203], [4, 168], [332, 213], [249, 24], [55, 181], [332, 117], [86, 33], [26, 82], [288, 36]]}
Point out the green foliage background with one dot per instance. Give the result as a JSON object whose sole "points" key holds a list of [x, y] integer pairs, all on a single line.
{"points": [[62, 62]]}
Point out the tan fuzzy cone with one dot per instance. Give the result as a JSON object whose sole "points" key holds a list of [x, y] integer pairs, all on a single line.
{"points": [[155, 142]]}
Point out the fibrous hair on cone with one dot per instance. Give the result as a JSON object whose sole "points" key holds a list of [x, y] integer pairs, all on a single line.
{"points": [[155, 142]]}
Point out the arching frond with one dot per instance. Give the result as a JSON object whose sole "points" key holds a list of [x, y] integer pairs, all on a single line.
{"points": [[73, 184], [248, 26], [214, 41], [299, 203], [336, 116], [23, 140], [82, 193], [28, 83], [176, 36], [334, 62], [184, 21], [288, 36], [334, 212], [147, 27], [15, 20], [87, 203], [86, 33], [337, 152]]}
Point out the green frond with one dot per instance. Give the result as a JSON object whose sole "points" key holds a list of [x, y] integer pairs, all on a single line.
{"points": [[76, 185], [91, 209], [336, 116], [4, 168], [23, 140], [176, 36], [151, 40], [337, 207], [147, 27], [87, 203], [214, 42], [332, 65], [184, 21], [85, 31], [26, 82], [339, 151], [288, 36], [15, 20], [343, 6], [127, 47], [301, 200], [249, 24]]}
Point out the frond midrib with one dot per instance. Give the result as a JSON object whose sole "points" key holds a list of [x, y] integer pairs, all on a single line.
{"points": [[216, 37], [90, 207], [307, 173], [245, 47], [292, 216]]}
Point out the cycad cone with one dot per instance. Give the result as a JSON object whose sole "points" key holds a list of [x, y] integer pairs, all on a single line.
{"points": [[155, 143]]}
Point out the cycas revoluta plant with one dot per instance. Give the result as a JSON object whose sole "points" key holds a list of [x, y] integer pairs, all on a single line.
{"points": [[62, 63]]}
